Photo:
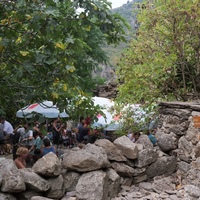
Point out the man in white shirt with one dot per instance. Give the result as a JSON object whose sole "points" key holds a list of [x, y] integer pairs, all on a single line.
{"points": [[7, 127], [26, 135], [8, 130]]}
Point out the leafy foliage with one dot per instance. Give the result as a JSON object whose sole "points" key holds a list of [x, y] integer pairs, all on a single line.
{"points": [[48, 49], [162, 61]]}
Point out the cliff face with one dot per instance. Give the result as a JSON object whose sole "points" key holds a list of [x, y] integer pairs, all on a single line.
{"points": [[109, 90]]}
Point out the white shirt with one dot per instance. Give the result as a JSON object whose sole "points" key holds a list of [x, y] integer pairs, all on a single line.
{"points": [[24, 134], [7, 128]]}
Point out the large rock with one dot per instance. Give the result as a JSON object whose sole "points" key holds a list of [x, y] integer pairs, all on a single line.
{"points": [[113, 183], [180, 129], [164, 165], [11, 179], [145, 141], [192, 134], [185, 146], [93, 186], [49, 165], [112, 151], [89, 158], [180, 115], [70, 180], [128, 148], [123, 169], [167, 142], [34, 181], [146, 157], [57, 188]]}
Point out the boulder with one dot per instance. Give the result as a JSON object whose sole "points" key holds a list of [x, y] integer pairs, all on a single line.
{"points": [[71, 180], [34, 181], [128, 148], [89, 158], [185, 145], [48, 166], [93, 186], [11, 179], [111, 150], [57, 189], [144, 140], [146, 157], [114, 183], [165, 165], [167, 142], [123, 169]]}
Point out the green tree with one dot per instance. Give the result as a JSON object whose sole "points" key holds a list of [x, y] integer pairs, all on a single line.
{"points": [[163, 62], [48, 49]]}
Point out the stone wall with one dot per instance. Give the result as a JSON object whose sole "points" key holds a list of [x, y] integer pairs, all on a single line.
{"points": [[99, 171], [95, 172], [178, 134]]}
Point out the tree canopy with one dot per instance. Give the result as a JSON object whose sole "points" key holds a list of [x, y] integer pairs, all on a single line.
{"points": [[163, 60], [48, 49]]}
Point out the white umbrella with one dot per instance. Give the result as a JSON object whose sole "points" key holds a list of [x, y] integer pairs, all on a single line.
{"points": [[46, 108], [103, 102]]}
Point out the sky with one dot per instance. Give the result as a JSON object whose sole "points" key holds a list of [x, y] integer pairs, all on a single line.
{"points": [[117, 3]]}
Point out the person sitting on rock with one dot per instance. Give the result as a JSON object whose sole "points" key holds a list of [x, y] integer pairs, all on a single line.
{"points": [[152, 138], [20, 161], [133, 136], [47, 147]]}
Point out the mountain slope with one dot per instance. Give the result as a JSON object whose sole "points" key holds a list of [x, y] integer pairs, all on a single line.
{"points": [[128, 11]]}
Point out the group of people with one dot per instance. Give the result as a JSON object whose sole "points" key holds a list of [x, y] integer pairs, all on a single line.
{"points": [[26, 142], [134, 136], [32, 141]]}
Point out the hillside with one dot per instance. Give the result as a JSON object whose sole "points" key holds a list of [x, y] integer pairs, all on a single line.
{"points": [[128, 11]]}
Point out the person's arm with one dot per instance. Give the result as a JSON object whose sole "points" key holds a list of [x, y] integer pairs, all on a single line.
{"points": [[19, 164], [30, 137]]}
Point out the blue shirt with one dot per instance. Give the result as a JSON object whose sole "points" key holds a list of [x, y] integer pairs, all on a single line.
{"points": [[38, 143], [152, 139], [47, 150]]}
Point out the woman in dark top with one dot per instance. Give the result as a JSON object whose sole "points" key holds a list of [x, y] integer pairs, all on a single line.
{"points": [[56, 131]]}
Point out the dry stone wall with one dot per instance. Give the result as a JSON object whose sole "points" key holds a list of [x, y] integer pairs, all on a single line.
{"points": [[119, 170]]}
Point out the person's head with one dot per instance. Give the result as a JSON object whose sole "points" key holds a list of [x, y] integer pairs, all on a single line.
{"points": [[136, 135], [22, 152], [2, 119], [82, 120], [37, 124], [36, 134], [26, 125], [46, 142]]}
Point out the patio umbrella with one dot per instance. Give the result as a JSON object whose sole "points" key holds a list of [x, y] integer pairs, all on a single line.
{"points": [[103, 102], [46, 109]]}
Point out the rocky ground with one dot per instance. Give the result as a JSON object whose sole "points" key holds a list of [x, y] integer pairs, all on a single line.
{"points": [[160, 188]]}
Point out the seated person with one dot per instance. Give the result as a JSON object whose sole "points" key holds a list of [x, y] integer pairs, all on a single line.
{"points": [[2, 141], [36, 148], [26, 135], [47, 147], [152, 138], [133, 136], [22, 154]]}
